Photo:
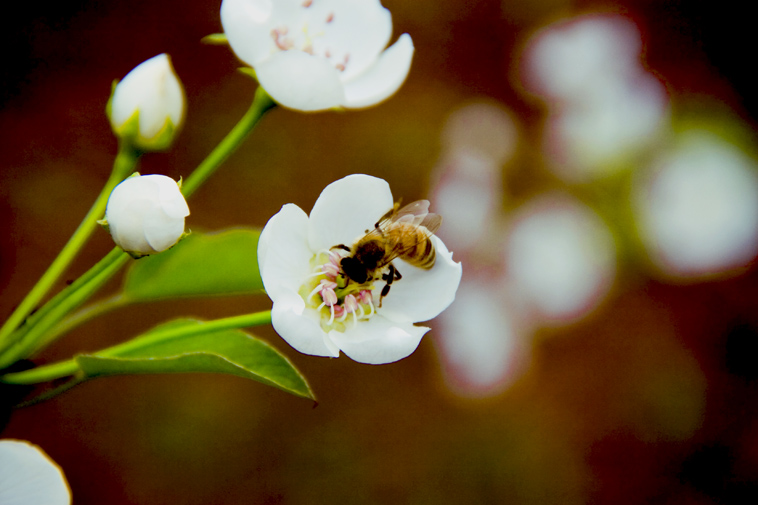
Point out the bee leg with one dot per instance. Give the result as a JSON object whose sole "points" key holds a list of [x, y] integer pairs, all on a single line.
{"points": [[385, 292], [341, 246], [389, 277]]}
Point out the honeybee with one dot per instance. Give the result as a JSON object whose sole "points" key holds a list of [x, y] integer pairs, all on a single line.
{"points": [[405, 233]]}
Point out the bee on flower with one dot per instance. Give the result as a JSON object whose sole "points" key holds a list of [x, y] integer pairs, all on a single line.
{"points": [[331, 297]]}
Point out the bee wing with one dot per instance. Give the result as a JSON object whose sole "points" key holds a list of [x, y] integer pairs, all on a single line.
{"points": [[432, 223], [413, 213]]}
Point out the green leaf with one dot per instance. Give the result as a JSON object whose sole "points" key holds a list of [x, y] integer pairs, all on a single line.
{"points": [[215, 39], [224, 263], [186, 345]]}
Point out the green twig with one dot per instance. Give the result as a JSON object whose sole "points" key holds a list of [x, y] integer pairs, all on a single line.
{"points": [[124, 164], [20, 340], [70, 367]]}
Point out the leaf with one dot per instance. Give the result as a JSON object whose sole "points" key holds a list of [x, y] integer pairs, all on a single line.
{"points": [[184, 346], [224, 263], [215, 39]]}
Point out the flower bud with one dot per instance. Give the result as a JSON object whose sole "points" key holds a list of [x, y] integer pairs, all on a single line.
{"points": [[147, 106], [145, 214]]}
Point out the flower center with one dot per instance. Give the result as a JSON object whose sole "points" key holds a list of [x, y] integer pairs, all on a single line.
{"points": [[337, 300], [311, 37]]}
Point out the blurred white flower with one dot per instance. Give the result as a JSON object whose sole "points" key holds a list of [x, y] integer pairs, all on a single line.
{"points": [[469, 194], [145, 214], [484, 129], [605, 107], [561, 257], [698, 207], [313, 55], [29, 477], [597, 136], [481, 344], [147, 106], [569, 59], [315, 310]]}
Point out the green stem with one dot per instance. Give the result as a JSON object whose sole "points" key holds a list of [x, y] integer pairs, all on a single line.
{"points": [[70, 367], [123, 165], [32, 336], [261, 104], [87, 313], [27, 339]]}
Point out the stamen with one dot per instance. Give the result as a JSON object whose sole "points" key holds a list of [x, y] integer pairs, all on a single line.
{"points": [[307, 3], [330, 17], [315, 290], [368, 298], [331, 318], [279, 36]]}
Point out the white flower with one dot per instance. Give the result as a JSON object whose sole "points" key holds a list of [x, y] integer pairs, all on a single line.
{"points": [[561, 257], [314, 311], [698, 208], [29, 477], [145, 214], [147, 106], [313, 55]]}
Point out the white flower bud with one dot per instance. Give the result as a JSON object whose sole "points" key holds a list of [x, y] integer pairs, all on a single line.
{"points": [[145, 214], [147, 106]]}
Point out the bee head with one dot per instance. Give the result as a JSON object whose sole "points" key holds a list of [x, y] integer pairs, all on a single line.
{"points": [[354, 269]]}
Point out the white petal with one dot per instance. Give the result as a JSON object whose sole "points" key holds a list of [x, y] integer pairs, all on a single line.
{"points": [[357, 30], [128, 204], [384, 78], [29, 477], [170, 196], [379, 340], [161, 230], [300, 81], [283, 252], [346, 209], [422, 294], [247, 26], [299, 326], [153, 89]]}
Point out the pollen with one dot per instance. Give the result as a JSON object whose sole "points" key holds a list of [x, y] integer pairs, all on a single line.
{"points": [[340, 303]]}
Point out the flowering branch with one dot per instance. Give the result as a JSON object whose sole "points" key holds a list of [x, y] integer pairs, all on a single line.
{"points": [[124, 164], [71, 367], [49, 315]]}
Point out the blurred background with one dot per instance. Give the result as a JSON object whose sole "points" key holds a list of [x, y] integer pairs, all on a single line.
{"points": [[595, 166]]}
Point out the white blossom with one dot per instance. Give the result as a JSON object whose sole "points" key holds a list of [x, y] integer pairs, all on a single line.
{"points": [[145, 214], [29, 477], [697, 208], [147, 106], [314, 55], [561, 257], [315, 310]]}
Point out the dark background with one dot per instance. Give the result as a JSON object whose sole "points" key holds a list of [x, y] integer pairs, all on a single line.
{"points": [[650, 400]]}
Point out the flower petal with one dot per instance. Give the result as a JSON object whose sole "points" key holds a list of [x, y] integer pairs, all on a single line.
{"points": [[300, 327], [283, 253], [356, 32], [379, 340], [384, 78], [247, 26], [346, 209], [29, 476], [301, 81], [422, 294], [170, 196]]}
